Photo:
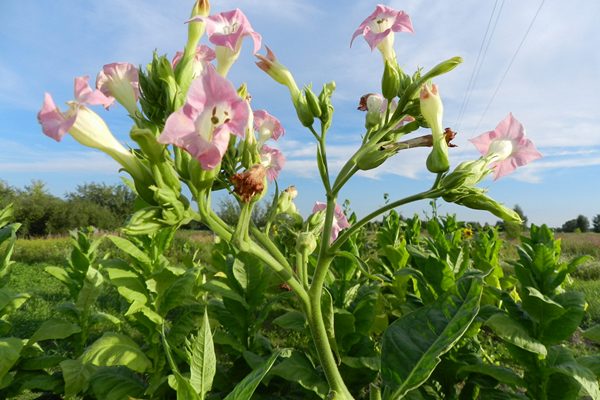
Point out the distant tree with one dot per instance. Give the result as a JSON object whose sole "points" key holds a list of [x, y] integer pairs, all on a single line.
{"points": [[596, 223], [7, 194], [118, 199], [35, 208], [579, 224], [229, 211], [583, 223]]}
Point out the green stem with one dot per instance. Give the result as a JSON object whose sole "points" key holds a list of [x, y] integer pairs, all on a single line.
{"points": [[430, 194], [264, 240]]}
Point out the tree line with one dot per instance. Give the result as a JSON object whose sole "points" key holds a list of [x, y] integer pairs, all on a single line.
{"points": [[41, 213]]}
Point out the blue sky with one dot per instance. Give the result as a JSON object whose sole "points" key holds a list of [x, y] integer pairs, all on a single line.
{"points": [[552, 88]]}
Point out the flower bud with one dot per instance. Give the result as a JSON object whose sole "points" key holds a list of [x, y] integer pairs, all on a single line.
{"points": [[442, 68], [313, 102], [196, 28], [374, 156], [285, 204], [148, 144], [316, 221], [302, 110], [432, 110], [277, 71], [390, 82], [306, 242], [477, 200]]}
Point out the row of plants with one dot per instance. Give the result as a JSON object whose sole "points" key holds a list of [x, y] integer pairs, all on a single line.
{"points": [[467, 329], [297, 307]]}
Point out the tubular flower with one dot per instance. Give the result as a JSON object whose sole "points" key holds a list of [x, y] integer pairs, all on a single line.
{"points": [[120, 81], [277, 71], [339, 219], [506, 147], [267, 126], [203, 56], [273, 160], [432, 110], [226, 30], [87, 127], [378, 29], [202, 126]]}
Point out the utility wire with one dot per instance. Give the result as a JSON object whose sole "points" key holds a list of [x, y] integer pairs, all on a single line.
{"points": [[512, 60], [477, 66]]}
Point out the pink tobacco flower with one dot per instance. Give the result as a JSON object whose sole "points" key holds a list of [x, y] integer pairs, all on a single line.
{"points": [[273, 160], [203, 56], [339, 219], [506, 147], [55, 123], [267, 126], [378, 29], [120, 81], [226, 30], [202, 126]]}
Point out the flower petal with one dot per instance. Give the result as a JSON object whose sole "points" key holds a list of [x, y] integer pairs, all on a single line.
{"points": [[54, 123]]}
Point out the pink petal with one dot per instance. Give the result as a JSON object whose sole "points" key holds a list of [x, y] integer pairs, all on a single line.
{"points": [[85, 95], [339, 222], [54, 123], [402, 23], [483, 141], [214, 24], [510, 128], [277, 161], [262, 119], [118, 72]]}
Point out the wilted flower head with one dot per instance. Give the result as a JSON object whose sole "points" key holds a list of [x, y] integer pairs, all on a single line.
{"points": [[120, 81], [273, 160], [202, 126], [250, 183], [378, 29], [339, 219], [506, 147], [267, 126], [203, 56]]}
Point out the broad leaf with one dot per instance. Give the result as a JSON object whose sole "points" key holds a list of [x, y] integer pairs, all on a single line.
{"points": [[203, 361], [52, 329], [298, 368], [245, 389], [413, 344], [560, 360], [10, 349], [116, 383], [511, 331], [293, 320], [592, 333], [131, 249], [501, 374], [76, 375], [116, 349]]}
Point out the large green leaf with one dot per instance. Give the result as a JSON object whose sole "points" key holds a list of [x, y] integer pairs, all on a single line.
{"points": [[54, 329], [10, 301], [92, 287], [116, 383], [131, 249], [245, 389], [10, 350], [76, 375], [540, 307], [298, 368], [116, 349], [592, 333], [501, 374], [513, 332], [203, 361], [563, 327], [561, 361], [413, 344], [293, 320]]}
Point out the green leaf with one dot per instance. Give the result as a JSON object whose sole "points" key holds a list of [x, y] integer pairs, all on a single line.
{"points": [[179, 291], [39, 363], [240, 274], [245, 389], [298, 368], [10, 350], [91, 289], [591, 362], [9, 302], [61, 274], [511, 331], [54, 329], [293, 320], [501, 374], [116, 349], [221, 288], [563, 327], [116, 383], [413, 344], [560, 360], [129, 284], [203, 361], [593, 333], [541, 308], [76, 375], [131, 249]]}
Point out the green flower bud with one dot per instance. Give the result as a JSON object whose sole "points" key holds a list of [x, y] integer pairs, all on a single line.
{"points": [[442, 68], [306, 242], [316, 221], [373, 156], [302, 110], [432, 110], [476, 199], [313, 102], [196, 28], [146, 139], [390, 82]]}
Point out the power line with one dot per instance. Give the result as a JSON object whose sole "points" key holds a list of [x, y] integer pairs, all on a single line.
{"points": [[512, 60], [478, 64]]}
